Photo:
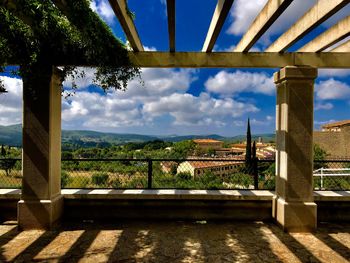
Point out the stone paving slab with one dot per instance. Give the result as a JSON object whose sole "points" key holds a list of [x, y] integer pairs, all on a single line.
{"points": [[174, 242]]}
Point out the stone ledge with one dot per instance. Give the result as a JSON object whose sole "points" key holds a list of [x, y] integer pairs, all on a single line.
{"points": [[332, 195], [170, 194], [10, 194], [178, 194]]}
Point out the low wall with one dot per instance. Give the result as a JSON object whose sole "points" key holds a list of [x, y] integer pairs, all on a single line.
{"points": [[332, 206]]}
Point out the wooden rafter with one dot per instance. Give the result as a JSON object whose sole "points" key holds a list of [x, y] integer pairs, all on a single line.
{"points": [[345, 47], [171, 24], [330, 37], [320, 12], [221, 11], [268, 15], [120, 9], [238, 59]]}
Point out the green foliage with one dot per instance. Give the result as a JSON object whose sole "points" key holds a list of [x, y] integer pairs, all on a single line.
{"points": [[100, 178], [248, 155], [211, 152], [183, 149], [65, 179], [241, 180], [173, 169], [210, 181], [183, 176], [319, 153], [7, 165], [36, 34]]}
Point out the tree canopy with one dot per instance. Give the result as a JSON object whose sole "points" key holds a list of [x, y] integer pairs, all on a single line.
{"points": [[37, 34]]}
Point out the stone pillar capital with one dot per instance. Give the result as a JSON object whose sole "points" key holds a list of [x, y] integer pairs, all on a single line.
{"points": [[295, 72]]}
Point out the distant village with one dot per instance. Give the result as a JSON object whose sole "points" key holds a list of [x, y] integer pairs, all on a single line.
{"points": [[228, 157]]}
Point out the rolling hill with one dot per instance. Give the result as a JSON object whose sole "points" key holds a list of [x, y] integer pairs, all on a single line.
{"points": [[12, 135]]}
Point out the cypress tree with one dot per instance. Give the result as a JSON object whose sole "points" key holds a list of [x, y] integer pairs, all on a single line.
{"points": [[255, 167], [3, 151], [248, 150]]}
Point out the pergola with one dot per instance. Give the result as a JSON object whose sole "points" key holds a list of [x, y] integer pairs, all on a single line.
{"points": [[293, 205]]}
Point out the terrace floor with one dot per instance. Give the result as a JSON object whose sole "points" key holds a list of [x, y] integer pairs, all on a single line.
{"points": [[174, 242]]}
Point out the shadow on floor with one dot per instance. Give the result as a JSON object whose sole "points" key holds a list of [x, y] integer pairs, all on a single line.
{"points": [[174, 242]]}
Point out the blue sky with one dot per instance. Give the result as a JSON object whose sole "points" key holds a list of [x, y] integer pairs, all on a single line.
{"points": [[193, 101]]}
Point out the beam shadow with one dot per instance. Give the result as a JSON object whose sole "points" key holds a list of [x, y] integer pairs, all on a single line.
{"points": [[298, 249]]}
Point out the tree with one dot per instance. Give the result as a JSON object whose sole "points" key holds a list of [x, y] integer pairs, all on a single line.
{"points": [[319, 153], [319, 157], [3, 151], [40, 34], [255, 167], [248, 152], [211, 152]]}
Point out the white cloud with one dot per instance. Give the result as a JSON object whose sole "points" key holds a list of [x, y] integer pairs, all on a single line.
{"points": [[226, 83], [244, 12], [238, 123], [104, 10], [81, 82], [96, 111], [187, 109], [332, 89], [323, 106], [159, 83], [164, 95], [11, 102], [265, 122], [328, 72]]}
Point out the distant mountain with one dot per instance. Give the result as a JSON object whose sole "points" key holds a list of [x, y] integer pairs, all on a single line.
{"points": [[93, 138], [12, 135], [176, 138], [266, 137]]}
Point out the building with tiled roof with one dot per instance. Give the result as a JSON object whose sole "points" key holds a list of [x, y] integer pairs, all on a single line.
{"points": [[336, 126], [334, 138], [206, 144], [198, 168]]}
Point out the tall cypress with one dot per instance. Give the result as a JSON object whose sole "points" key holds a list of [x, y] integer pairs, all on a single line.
{"points": [[255, 167], [248, 150], [3, 151]]}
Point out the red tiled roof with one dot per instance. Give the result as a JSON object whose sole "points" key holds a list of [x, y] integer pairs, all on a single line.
{"points": [[202, 164], [336, 124], [206, 141]]}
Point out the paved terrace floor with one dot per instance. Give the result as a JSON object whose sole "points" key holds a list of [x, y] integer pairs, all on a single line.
{"points": [[174, 242]]}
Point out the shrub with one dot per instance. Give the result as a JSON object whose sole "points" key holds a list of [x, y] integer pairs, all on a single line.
{"points": [[65, 179], [210, 181], [241, 180], [137, 182], [116, 183], [99, 178], [183, 176]]}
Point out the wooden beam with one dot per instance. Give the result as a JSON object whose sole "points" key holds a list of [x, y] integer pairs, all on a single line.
{"points": [[268, 15], [345, 47], [316, 15], [238, 59], [171, 24], [217, 21], [330, 37], [120, 9]]}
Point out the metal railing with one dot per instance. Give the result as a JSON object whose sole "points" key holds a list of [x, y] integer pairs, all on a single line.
{"points": [[176, 174]]}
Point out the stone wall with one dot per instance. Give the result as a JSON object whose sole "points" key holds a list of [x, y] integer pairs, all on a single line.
{"points": [[336, 144]]}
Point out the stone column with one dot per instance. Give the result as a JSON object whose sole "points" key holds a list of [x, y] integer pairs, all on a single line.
{"points": [[293, 205], [41, 201]]}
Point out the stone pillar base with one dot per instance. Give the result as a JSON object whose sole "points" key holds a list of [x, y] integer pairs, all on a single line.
{"points": [[39, 214], [295, 216]]}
